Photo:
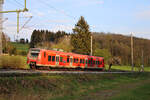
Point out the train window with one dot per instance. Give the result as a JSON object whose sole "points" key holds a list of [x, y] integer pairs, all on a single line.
{"points": [[68, 60], [53, 58], [49, 58], [83, 61], [100, 62], [61, 59], [57, 59], [80, 60], [44, 54], [75, 60], [34, 55]]}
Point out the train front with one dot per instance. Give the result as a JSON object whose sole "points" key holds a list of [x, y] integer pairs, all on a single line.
{"points": [[33, 57]]}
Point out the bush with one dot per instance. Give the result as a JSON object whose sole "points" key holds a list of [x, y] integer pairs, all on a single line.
{"points": [[12, 62]]}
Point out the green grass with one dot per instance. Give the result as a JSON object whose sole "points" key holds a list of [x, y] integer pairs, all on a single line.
{"points": [[127, 68], [65, 86], [21, 47], [139, 93]]}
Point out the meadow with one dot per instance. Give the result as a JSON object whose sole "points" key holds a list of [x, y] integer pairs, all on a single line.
{"points": [[133, 86]]}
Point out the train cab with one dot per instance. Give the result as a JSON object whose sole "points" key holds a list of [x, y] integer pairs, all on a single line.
{"points": [[34, 57]]}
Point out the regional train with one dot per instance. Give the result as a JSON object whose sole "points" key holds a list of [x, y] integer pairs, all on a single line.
{"points": [[58, 59]]}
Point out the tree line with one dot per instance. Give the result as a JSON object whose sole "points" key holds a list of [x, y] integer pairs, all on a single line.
{"points": [[40, 37]]}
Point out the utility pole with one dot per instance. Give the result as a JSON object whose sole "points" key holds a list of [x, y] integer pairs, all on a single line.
{"points": [[142, 61], [132, 52], [11, 11], [1, 26], [91, 44]]}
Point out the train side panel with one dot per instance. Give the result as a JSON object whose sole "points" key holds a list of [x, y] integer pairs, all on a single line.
{"points": [[59, 59]]}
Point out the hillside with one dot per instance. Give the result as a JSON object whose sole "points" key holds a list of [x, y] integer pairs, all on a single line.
{"points": [[120, 46]]}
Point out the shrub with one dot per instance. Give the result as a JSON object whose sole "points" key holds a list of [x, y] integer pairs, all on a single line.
{"points": [[12, 62]]}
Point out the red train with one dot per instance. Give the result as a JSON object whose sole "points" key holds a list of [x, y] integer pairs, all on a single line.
{"points": [[57, 59]]}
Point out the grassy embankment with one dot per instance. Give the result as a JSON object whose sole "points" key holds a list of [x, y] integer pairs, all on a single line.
{"points": [[16, 62], [133, 86]]}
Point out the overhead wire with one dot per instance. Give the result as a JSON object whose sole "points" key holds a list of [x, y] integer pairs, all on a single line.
{"points": [[15, 3], [46, 5], [52, 7], [19, 3], [26, 23], [60, 11]]}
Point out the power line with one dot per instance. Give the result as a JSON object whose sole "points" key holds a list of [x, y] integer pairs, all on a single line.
{"points": [[16, 3], [26, 23], [19, 3], [61, 11]]}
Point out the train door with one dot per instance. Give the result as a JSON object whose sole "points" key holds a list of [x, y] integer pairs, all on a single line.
{"points": [[68, 61], [61, 60], [52, 59], [44, 61], [71, 61], [90, 61], [86, 62], [82, 62], [57, 60], [97, 63], [94, 63]]}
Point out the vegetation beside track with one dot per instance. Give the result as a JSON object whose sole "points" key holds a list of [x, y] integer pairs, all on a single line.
{"points": [[73, 87], [16, 62]]}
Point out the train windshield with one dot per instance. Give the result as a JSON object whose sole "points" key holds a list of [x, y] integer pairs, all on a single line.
{"points": [[34, 55]]}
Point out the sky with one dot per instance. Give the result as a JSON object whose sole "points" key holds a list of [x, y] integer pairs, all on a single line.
{"points": [[116, 16]]}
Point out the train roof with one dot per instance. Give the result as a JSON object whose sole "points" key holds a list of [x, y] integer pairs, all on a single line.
{"points": [[66, 53]]}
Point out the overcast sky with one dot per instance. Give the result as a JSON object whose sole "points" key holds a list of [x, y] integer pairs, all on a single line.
{"points": [[119, 16]]}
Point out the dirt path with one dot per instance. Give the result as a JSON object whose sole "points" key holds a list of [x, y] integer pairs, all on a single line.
{"points": [[107, 94]]}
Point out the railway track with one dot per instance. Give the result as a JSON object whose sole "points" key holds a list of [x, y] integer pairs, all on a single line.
{"points": [[6, 72]]}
